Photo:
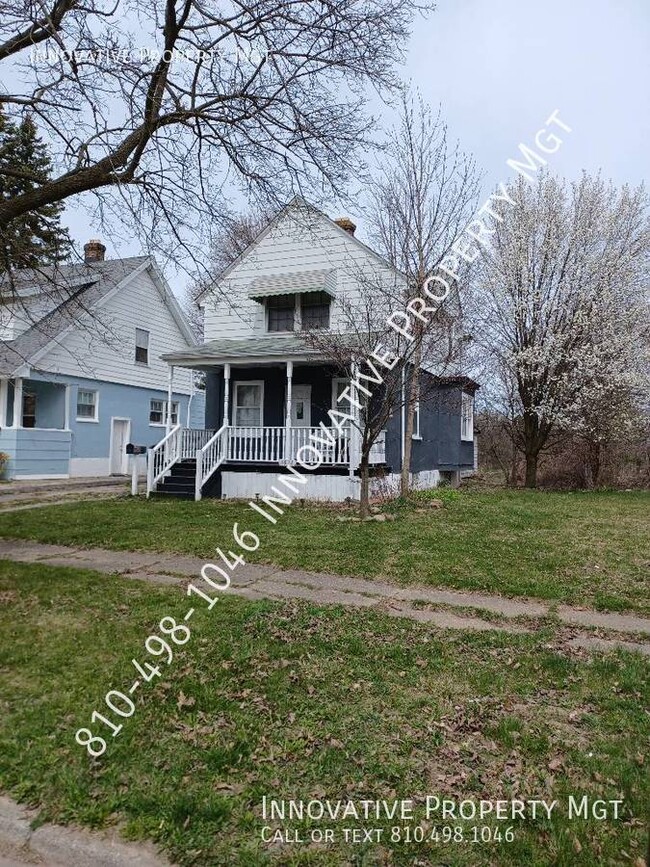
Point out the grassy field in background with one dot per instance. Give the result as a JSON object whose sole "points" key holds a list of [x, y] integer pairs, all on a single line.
{"points": [[581, 548], [296, 701]]}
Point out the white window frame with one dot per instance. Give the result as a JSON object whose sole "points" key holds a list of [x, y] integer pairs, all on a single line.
{"points": [[175, 411], [296, 314], [235, 402], [135, 347], [467, 418], [95, 418], [340, 407], [416, 421]]}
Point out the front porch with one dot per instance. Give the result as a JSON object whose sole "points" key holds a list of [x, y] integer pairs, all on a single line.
{"points": [[261, 411], [35, 428]]}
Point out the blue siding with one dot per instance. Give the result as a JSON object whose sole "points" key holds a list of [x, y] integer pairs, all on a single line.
{"points": [[92, 439], [440, 446], [36, 452]]}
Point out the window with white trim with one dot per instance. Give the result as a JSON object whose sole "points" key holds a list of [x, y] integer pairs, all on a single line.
{"points": [[248, 404], [467, 417], [315, 310], [141, 346], [86, 405], [157, 409], [280, 311], [416, 420]]}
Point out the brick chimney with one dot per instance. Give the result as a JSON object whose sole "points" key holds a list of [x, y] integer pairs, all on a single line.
{"points": [[347, 224], [94, 251]]}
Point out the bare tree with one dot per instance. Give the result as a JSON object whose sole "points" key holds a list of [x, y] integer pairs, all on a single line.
{"points": [[561, 304], [170, 106], [232, 237], [424, 193]]}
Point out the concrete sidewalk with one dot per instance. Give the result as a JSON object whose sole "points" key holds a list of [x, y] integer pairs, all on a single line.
{"points": [[57, 846], [446, 609]]}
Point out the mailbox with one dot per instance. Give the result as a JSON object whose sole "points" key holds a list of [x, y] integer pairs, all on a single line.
{"points": [[132, 449]]}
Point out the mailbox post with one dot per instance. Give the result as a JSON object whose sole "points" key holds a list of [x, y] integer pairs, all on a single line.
{"points": [[135, 451]]}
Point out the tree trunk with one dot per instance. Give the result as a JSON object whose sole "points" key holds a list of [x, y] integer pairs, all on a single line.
{"points": [[594, 461], [513, 466], [411, 400], [531, 469], [364, 493]]}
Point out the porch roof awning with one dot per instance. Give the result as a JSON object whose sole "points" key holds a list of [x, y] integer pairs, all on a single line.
{"points": [[255, 349], [220, 351], [295, 282]]}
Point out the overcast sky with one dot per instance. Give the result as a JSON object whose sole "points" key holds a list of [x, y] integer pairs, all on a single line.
{"points": [[498, 68]]}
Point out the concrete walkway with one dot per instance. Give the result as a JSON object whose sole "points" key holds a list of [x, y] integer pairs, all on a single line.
{"points": [[56, 846], [16, 496], [446, 609]]}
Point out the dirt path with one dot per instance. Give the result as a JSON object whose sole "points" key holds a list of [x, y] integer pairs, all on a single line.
{"points": [[446, 609]]}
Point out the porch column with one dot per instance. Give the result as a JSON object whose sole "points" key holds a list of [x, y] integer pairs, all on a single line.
{"points": [[170, 392], [17, 420], [4, 395], [66, 408], [226, 394], [355, 433], [287, 418]]}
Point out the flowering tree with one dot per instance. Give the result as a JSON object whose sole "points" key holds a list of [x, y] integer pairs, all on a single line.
{"points": [[561, 305]]}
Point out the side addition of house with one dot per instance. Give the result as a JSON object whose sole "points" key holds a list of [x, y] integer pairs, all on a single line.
{"points": [[269, 387], [81, 373]]}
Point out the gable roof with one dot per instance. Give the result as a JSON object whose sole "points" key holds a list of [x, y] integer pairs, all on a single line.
{"points": [[84, 288], [296, 203]]}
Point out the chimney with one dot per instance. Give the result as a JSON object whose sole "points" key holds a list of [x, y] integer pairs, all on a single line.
{"points": [[94, 251], [347, 224]]}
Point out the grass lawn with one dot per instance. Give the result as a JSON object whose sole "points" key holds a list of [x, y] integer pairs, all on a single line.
{"points": [[295, 701], [581, 548]]}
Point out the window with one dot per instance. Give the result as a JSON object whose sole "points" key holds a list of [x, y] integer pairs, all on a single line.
{"points": [[86, 405], [280, 312], [157, 409], [315, 307], [141, 346], [416, 421], [467, 417], [249, 400], [29, 409]]}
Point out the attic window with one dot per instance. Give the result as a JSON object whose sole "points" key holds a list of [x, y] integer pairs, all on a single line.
{"points": [[315, 308], [280, 312], [141, 346]]}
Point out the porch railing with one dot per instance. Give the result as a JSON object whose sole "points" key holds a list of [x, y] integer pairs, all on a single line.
{"points": [[194, 439], [163, 456], [209, 458], [267, 444]]}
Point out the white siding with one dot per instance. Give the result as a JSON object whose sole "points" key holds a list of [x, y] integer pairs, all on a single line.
{"points": [[104, 347], [309, 243]]}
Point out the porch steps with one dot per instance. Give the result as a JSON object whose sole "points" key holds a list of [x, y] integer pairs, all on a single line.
{"points": [[180, 482]]}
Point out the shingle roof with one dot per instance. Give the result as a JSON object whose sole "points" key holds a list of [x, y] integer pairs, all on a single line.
{"points": [[81, 286], [279, 346]]}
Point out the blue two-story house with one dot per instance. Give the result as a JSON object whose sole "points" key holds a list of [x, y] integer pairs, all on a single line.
{"points": [[81, 373]]}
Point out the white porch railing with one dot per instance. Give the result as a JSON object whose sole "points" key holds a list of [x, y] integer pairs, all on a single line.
{"points": [[194, 439], [209, 458], [271, 444], [163, 456]]}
